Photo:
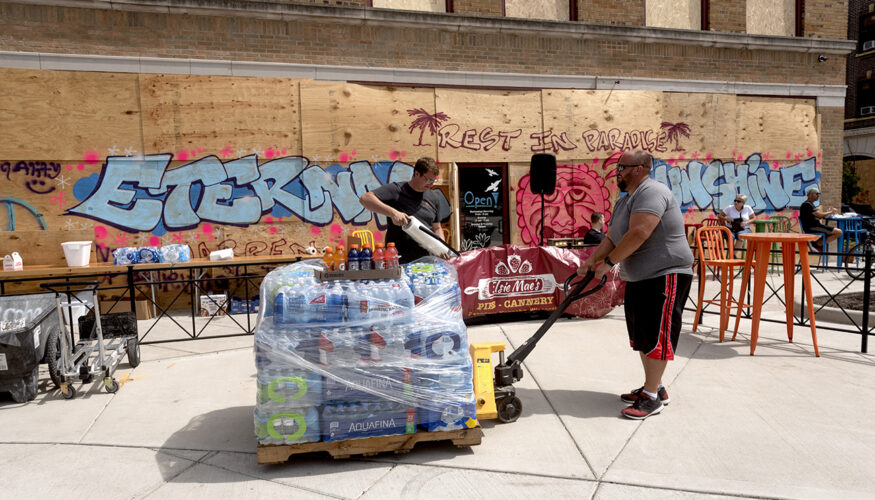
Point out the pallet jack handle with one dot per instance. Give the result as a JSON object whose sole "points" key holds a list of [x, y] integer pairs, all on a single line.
{"points": [[506, 373]]}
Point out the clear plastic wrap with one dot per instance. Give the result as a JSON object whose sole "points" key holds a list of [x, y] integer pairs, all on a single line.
{"points": [[341, 360]]}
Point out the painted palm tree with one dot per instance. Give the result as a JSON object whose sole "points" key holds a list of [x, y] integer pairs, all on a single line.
{"points": [[675, 131], [425, 120]]}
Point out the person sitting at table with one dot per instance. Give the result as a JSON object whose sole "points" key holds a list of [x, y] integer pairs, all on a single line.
{"points": [[738, 217], [809, 219], [596, 233]]}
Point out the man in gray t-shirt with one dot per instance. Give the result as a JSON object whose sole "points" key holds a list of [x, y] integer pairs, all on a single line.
{"points": [[648, 241]]}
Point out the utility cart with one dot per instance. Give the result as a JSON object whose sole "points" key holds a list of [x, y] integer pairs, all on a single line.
{"points": [[92, 354]]}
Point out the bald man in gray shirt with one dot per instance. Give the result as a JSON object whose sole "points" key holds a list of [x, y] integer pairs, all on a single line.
{"points": [[648, 240]]}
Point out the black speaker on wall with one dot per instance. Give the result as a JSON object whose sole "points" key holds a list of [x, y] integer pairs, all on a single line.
{"points": [[542, 173]]}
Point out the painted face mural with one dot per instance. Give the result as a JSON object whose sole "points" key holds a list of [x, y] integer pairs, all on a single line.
{"points": [[580, 191]]}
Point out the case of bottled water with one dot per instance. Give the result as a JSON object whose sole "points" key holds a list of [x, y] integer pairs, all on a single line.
{"points": [[341, 360]]}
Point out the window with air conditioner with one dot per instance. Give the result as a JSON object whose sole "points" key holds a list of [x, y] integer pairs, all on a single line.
{"points": [[866, 97], [866, 35]]}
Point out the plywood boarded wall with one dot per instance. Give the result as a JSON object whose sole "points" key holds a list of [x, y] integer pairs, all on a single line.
{"points": [[274, 165]]}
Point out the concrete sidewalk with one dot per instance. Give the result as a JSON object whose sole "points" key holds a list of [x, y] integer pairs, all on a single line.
{"points": [[780, 424]]}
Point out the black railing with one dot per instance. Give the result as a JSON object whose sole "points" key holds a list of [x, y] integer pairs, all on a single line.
{"points": [[831, 289]]}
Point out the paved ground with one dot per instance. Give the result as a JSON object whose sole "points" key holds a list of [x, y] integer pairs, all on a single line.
{"points": [[780, 424]]}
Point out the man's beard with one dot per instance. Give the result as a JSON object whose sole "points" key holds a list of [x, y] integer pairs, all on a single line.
{"points": [[622, 185]]}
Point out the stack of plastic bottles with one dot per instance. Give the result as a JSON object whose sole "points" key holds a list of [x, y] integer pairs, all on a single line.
{"points": [[134, 255], [342, 360]]}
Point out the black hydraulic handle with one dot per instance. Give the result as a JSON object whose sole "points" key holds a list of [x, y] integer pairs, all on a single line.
{"points": [[70, 286], [576, 294]]}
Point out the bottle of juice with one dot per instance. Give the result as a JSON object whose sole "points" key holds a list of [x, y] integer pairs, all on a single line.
{"points": [[391, 256], [365, 257], [379, 257], [352, 258], [340, 258]]}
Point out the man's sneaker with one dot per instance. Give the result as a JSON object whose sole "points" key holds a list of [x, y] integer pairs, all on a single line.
{"points": [[631, 397], [643, 408]]}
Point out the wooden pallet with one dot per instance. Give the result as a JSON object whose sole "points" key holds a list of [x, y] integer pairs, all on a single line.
{"points": [[401, 443]]}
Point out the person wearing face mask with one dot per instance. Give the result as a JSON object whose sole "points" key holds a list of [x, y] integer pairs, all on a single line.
{"points": [[401, 200], [647, 238]]}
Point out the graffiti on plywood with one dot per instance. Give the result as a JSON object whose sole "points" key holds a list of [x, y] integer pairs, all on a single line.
{"points": [[141, 194], [580, 191]]}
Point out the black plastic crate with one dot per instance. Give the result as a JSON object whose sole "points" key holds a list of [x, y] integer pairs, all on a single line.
{"points": [[113, 325]]}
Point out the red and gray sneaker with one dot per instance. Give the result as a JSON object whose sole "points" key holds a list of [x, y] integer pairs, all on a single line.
{"points": [[631, 397], [643, 408]]}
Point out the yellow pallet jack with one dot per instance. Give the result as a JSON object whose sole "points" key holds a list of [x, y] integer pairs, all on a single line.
{"points": [[496, 395]]}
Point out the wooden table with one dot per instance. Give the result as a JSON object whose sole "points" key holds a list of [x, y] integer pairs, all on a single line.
{"points": [[761, 243]]}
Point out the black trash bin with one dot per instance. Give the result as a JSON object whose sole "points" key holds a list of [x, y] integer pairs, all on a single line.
{"points": [[26, 321]]}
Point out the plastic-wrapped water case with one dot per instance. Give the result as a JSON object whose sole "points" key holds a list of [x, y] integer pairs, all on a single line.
{"points": [[175, 253], [125, 255], [365, 358], [150, 255]]}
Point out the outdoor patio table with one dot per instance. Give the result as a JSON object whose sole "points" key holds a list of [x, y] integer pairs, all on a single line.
{"points": [[761, 243], [849, 226]]}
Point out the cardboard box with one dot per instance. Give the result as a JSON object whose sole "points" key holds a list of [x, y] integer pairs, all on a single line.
{"points": [[12, 262], [370, 274], [214, 304], [144, 308]]}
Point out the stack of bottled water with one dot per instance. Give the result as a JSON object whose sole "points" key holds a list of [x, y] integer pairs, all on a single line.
{"points": [[342, 360], [133, 255]]}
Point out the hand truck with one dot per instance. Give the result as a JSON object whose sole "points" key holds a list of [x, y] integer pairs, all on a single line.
{"points": [[89, 356]]}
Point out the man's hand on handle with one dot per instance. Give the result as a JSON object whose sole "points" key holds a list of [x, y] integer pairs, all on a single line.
{"points": [[599, 268], [400, 218]]}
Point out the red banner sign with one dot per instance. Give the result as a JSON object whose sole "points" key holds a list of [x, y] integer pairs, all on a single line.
{"points": [[510, 278]]}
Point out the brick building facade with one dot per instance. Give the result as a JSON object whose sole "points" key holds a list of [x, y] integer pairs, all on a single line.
{"points": [[610, 48]]}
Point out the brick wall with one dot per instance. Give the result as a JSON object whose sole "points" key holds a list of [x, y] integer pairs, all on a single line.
{"points": [[478, 7], [628, 12], [825, 19], [831, 141], [42, 28], [727, 15]]}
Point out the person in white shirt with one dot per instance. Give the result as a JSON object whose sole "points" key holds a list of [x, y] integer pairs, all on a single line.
{"points": [[738, 217]]}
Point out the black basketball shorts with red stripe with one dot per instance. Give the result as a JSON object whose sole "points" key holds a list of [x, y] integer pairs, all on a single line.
{"points": [[654, 309]]}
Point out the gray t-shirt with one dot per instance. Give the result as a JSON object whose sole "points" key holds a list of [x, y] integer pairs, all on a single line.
{"points": [[666, 251]]}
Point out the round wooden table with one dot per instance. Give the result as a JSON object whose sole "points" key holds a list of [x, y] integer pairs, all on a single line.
{"points": [[760, 244]]}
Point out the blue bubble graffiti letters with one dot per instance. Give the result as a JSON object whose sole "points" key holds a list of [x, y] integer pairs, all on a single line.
{"points": [[142, 194]]}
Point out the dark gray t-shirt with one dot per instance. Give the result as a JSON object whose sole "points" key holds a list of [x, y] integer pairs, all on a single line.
{"points": [[666, 251]]}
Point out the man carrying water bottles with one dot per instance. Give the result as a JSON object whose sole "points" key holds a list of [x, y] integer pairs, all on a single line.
{"points": [[401, 200], [648, 240]]}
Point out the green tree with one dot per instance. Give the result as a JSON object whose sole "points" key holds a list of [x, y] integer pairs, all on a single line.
{"points": [[850, 182]]}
